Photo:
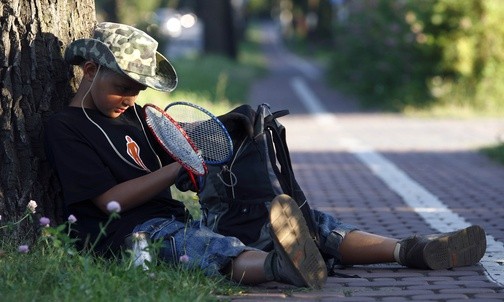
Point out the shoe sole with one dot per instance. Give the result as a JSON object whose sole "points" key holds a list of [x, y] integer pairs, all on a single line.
{"points": [[460, 248], [291, 232]]}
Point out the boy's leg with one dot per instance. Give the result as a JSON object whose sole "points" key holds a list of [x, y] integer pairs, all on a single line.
{"points": [[360, 247], [212, 252], [438, 251], [248, 268], [349, 246], [295, 258]]}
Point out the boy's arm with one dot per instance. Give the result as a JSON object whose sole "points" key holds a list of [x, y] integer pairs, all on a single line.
{"points": [[135, 192]]}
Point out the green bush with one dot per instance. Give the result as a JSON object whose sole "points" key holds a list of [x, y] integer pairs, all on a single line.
{"points": [[399, 54], [495, 152]]}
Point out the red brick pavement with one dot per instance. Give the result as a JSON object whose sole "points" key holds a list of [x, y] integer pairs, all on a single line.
{"points": [[438, 154]]}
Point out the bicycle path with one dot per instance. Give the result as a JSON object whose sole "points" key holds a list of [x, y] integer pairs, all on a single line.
{"points": [[388, 174]]}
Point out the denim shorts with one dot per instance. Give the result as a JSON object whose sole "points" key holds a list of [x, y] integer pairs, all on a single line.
{"points": [[211, 252], [331, 232], [199, 246]]}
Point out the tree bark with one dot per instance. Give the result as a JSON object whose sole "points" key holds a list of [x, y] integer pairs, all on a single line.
{"points": [[35, 81], [218, 27]]}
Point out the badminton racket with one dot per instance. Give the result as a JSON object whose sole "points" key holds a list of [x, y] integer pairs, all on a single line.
{"points": [[206, 131], [175, 141]]}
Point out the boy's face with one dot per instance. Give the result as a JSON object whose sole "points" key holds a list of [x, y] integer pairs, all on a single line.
{"points": [[113, 93]]}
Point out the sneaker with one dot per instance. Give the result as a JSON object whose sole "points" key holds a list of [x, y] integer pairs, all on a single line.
{"points": [[443, 251], [295, 259]]}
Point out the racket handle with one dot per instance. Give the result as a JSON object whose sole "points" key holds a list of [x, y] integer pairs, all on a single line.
{"points": [[193, 180]]}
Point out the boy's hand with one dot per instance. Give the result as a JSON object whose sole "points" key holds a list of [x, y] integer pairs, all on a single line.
{"points": [[184, 183]]}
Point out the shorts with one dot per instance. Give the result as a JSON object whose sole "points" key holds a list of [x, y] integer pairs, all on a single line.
{"points": [[331, 232], [200, 247]]}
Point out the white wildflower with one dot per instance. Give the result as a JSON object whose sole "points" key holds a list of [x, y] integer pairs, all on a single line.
{"points": [[32, 205], [113, 207]]}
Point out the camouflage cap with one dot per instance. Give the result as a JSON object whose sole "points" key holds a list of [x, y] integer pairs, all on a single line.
{"points": [[128, 51]]}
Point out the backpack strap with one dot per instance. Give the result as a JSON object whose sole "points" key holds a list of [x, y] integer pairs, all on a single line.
{"points": [[281, 161]]}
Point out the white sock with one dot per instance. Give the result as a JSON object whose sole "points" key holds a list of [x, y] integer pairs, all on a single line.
{"points": [[396, 252]]}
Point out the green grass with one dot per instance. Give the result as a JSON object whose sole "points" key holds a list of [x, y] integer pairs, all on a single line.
{"points": [[190, 200], [53, 271], [461, 111], [495, 152]]}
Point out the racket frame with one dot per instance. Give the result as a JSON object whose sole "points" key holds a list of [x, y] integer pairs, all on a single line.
{"points": [[229, 141], [165, 145]]}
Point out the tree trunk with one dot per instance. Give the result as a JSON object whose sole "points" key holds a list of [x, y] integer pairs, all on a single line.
{"points": [[34, 81], [218, 27]]}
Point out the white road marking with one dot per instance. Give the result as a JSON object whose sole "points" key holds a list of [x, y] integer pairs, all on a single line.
{"points": [[424, 203]]}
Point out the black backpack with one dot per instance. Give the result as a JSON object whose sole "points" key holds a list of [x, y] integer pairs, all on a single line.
{"points": [[236, 196]]}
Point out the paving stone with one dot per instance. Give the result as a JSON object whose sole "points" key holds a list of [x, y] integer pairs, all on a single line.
{"points": [[391, 292], [490, 296], [440, 297], [466, 291], [438, 154]]}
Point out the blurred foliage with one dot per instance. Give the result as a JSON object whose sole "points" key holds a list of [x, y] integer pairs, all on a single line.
{"points": [[400, 54], [130, 11], [207, 80], [305, 20], [215, 82], [140, 14], [260, 8], [495, 152]]}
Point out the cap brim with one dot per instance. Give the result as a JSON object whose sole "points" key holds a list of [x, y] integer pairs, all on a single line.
{"points": [[165, 78]]}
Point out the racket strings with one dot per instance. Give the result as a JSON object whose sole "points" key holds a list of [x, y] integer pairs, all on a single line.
{"points": [[179, 146], [206, 133]]}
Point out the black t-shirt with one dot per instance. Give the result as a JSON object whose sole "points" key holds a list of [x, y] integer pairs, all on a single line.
{"points": [[87, 166]]}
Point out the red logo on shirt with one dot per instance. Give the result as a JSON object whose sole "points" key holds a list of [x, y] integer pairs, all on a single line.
{"points": [[134, 151]]}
